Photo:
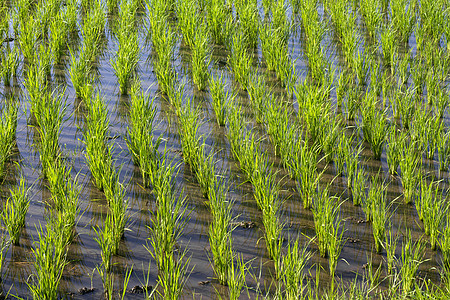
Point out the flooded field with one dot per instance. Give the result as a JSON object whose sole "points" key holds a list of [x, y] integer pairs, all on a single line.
{"points": [[208, 149]]}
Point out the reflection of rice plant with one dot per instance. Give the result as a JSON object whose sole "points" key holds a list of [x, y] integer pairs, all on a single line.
{"points": [[15, 211]]}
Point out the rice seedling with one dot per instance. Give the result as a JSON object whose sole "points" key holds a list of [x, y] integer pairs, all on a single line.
{"points": [[28, 38], [292, 268], [351, 156], [257, 93], [359, 187], [327, 224], [341, 88], [339, 155], [93, 30], [402, 68], [432, 129], [220, 233], [220, 22], [104, 240], [80, 71], [200, 56], [433, 208], [444, 245], [119, 218], [329, 132], [248, 22], [15, 210], [393, 149], [44, 59], [379, 215], [239, 60], [390, 245], [412, 257], [189, 125], [409, 166], [237, 274], [50, 259], [50, 116], [8, 128], [361, 66], [403, 17], [139, 137], [352, 104], [440, 102], [389, 47], [188, 23], [418, 75], [220, 98], [374, 126], [204, 167], [371, 12], [9, 62], [58, 36], [127, 57], [305, 171], [443, 148]]}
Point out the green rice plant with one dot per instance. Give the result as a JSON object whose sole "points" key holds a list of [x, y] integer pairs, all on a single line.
{"points": [[418, 75], [204, 167], [434, 207], [174, 275], [327, 224], [393, 149], [390, 245], [419, 129], [104, 240], [248, 22], [28, 38], [351, 157], [358, 189], [9, 62], [220, 231], [402, 68], [5, 15], [237, 274], [443, 148], [374, 126], [70, 15], [361, 66], [329, 132], [80, 71], [444, 245], [44, 59], [352, 104], [432, 128], [118, 206], [304, 165], [404, 106], [93, 30], [8, 128], [409, 165], [339, 153], [379, 211], [432, 18], [15, 210], [440, 102], [292, 268], [189, 126], [236, 131], [342, 88], [371, 12], [50, 116], [49, 252], [239, 60], [95, 136], [403, 13], [127, 57], [58, 36], [412, 257], [257, 93], [201, 56], [220, 98], [139, 137], [389, 47], [375, 77], [220, 21], [188, 20]]}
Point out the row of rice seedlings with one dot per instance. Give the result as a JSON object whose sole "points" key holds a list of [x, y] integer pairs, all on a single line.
{"points": [[15, 210], [127, 57], [139, 137], [327, 224], [8, 128], [258, 172]]}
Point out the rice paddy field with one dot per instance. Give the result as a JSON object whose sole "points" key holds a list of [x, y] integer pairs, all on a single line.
{"points": [[212, 149]]}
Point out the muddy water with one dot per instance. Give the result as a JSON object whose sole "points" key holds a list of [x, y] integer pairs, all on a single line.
{"points": [[84, 254]]}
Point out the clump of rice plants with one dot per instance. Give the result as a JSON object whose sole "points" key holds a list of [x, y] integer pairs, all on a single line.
{"points": [[359, 187], [219, 21], [393, 149], [411, 258], [443, 148], [127, 57], [50, 259], [189, 125], [8, 127], [240, 60], [220, 98], [200, 56], [15, 211], [9, 62], [140, 131], [376, 203], [409, 165]]}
